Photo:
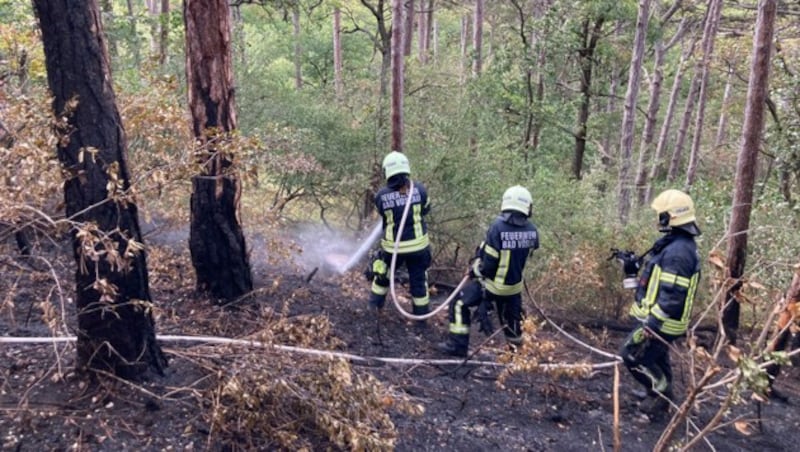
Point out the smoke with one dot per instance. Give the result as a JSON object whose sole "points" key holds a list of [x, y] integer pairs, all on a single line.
{"points": [[331, 249]]}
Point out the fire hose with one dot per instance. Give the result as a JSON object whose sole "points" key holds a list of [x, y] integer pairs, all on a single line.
{"points": [[399, 234]]}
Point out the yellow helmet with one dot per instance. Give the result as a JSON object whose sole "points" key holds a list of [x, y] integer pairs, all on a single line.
{"points": [[674, 208], [517, 198], [395, 163]]}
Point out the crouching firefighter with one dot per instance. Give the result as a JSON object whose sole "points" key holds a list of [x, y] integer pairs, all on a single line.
{"points": [[663, 300], [413, 249], [496, 273]]}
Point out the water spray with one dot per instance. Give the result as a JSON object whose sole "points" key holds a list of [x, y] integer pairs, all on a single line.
{"points": [[362, 250]]}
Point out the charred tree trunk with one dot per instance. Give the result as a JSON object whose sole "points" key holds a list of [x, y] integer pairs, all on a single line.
{"points": [[590, 35], [746, 164], [397, 75], [216, 240], [116, 332], [629, 111]]}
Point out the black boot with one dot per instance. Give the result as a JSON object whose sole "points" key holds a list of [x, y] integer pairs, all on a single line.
{"points": [[448, 347], [376, 301], [455, 345]]}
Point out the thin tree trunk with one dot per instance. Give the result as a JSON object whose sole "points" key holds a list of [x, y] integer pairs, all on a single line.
{"points": [[116, 331], [298, 49], [590, 36], [337, 53], [434, 39], [397, 75], [629, 114], [611, 106], [663, 137], [216, 240], [744, 181], [163, 46], [408, 27], [708, 52], [722, 125], [477, 39], [646, 146], [463, 48]]}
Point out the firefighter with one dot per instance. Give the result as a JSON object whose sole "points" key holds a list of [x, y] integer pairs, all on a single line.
{"points": [[496, 272], [663, 300], [413, 250]]}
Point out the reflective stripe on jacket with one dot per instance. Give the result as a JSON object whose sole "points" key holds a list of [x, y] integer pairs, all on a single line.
{"points": [[390, 204], [504, 252], [668, 284]]}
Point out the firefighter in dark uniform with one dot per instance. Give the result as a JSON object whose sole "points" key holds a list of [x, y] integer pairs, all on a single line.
{"points": [[663, 300], [413, 250], [497, 273]]}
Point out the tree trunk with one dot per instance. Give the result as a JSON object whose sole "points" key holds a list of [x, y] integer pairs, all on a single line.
{"points": [[298, 49], [646, 146], [337, 53], [746, 164], [163, 46], [629, 113], [216, 240], [116, 331], [408, 27], [397, 75], [708, 50], [477, 39], [611, 106], [722, 125], [657, 169], [590, 36], [463, 48], [422, 30]]}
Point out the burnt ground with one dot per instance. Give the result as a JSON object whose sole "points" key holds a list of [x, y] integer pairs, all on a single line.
{"points": [[44, 405]]}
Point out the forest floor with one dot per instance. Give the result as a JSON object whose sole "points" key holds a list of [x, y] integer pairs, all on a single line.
{"points": [[44, 405]]}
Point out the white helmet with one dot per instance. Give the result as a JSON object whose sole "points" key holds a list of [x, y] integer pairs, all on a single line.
{"points": [[517, 198], [395, 163]]}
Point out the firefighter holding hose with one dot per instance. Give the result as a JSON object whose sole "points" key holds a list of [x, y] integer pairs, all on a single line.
{"points": [[496, 272], [413, 249]]}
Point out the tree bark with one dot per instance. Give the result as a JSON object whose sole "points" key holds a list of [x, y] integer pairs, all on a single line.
{"points": [[398, 72], [746, 164], [708, 51], [216, 240], [116, 331], [629, 111]]}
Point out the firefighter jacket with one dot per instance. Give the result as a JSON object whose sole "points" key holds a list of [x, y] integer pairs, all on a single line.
{"points": [[390, 203], [502, 255], [668, 284]]}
